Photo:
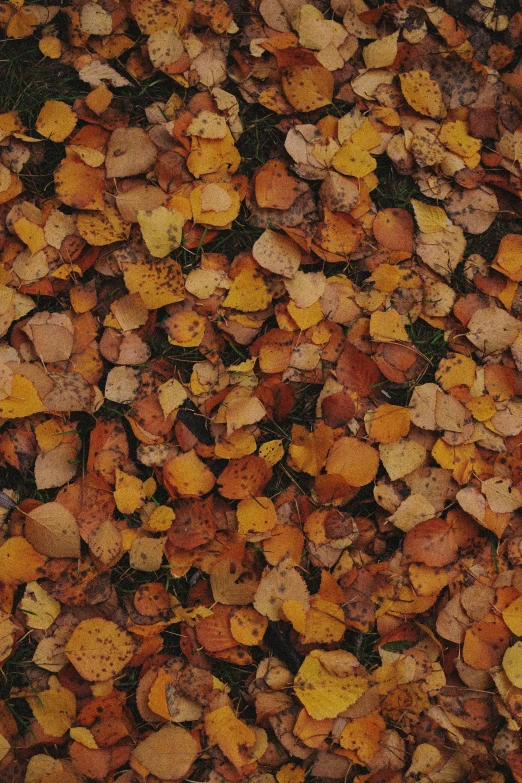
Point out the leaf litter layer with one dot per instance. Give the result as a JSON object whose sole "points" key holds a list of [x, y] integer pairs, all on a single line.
{"points": [[260, 381]]}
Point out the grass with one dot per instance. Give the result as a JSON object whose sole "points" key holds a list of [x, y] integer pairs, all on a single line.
{"points": [[394, 189], [260, 137], [28, 79]]}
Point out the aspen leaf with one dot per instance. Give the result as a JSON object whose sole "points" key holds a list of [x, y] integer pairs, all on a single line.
{"points": [[98, 649], [401, 457], [512, 664], [247, 626], [277, 253], [23, 400], [146, 554], [157, 284], [83, 735], [106, 542], [55, 710], [387, 326], [19, 561], [128, 493], [169, 752], [56, 121], [41, 608], [235, 739], [422, 93], [354, 460], [512, 616], [353, 161], [189, 475], [248, 292], [381, 53], [5, 747], [161, 229], [325, 695], [52, 530], [389, 423], [429, 218], [256, 515], [129, 152]]}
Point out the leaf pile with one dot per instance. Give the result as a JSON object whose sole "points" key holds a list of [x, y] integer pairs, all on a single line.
{"points": [[261, 415]]}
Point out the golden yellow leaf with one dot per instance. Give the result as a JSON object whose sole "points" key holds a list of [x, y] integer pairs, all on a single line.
{"points": [[325, 695], [189, 475], [512, 664], [512, 616], [23, 400], [84, 736], [54, 709], [161, 519], [455, 136], [387, 326], [161, 229], [388, 423], [40, 608], [128, 493], [98, 649], [255, 515], [158, 284], [56, 120], [235, 739], [422, 93], [248, 292], [429, 218], [353, 161]]}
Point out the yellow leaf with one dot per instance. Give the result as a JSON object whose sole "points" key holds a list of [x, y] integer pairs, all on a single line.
{"points": [[387, 326], [128, 493], [454, 136], [189, 475], [5, 747], [512, 663], [247, 626], [429, 218], [388, 423], [102, 228], [353, 161], [55, 710], [272, 451], [381, 53], [161, 519], [401, 457], [215, 204], [248, 292], [84, 736], [98, 649], [171, 395], [235, 739], [290, 773], [23, 400], [455, 370], [161, 229], [422, 93], [19, 561], [512, 616], [325, 695], [256, 515], [158, 284], [56, 120], [41, 608], [50, 46]]}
